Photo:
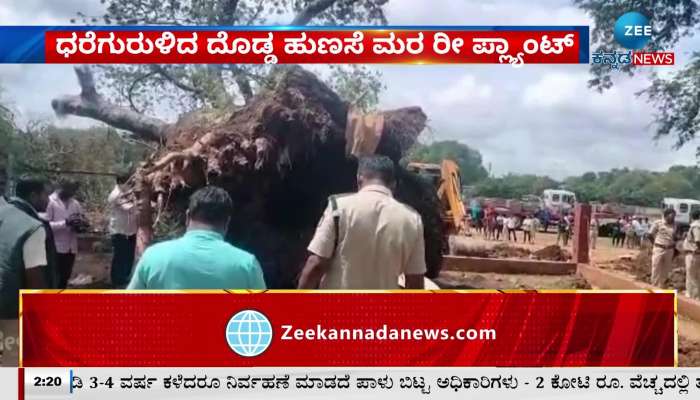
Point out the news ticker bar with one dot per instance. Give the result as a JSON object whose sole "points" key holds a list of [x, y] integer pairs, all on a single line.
{"points": [[351, 329], [514, 45], [359, 383]]}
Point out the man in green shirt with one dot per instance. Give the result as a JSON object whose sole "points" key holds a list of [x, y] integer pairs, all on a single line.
{"points": [[200, 259]]}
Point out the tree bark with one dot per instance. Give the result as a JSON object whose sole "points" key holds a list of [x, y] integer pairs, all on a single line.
{"points": [[310, 11], [228, 12], [90, 104], [144, 233]]}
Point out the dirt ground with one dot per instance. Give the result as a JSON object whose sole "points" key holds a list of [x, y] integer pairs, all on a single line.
{"points": [[606, 256], [688, 352], [604, 249], [96, 265], [471, 280]]}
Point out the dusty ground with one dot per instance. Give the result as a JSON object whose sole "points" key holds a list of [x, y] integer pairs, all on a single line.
{"points": [[605, 255], [603, 251], [96, 265], [479, 247], [688, 352], [471, 280]]}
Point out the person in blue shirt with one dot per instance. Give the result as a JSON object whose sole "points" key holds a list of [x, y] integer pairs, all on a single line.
{"points": [[200, 259]]}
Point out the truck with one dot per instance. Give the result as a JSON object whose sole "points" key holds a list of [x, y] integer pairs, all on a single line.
{"points": [[608, 214], [557, 203], [558, 200], [683, 208]]}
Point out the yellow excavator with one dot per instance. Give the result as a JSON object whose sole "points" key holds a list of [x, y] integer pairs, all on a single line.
{"points": [[448, 183]]}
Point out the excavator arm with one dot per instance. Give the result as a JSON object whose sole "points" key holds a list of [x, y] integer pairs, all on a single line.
{"points": [[450, 194], [448, 184]]}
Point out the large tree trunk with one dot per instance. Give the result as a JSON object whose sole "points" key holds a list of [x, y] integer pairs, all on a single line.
{"points": [[280, 157], [91, 105]]}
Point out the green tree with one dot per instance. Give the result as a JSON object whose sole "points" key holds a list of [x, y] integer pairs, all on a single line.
{"points": [[634, 187], [7, 132], [676, 97], [56, 153], [187, 87], [469, 160], [515, 186]]}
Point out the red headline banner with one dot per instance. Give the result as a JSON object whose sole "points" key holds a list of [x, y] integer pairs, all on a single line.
{"points": [[514, 47], [347, 329]]}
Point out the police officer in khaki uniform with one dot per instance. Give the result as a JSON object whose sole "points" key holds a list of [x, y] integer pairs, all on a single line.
{"points": [[692, 257], [593, 232], [662, 235], [367, 240]]}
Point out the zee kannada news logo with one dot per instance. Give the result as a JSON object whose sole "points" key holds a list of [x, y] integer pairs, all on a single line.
{"points": [[633, 31]]}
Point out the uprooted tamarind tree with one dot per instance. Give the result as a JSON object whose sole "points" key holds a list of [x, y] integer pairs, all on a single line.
{"points": [[279, 156]]}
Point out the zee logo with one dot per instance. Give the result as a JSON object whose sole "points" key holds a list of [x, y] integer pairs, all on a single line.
{"points": [[637, 30], [632, 30]]}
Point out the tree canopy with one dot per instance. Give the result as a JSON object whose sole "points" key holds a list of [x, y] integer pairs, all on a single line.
{"points": [[7, 129], [183, 88], [515, 186], [628, 186], [469, 160], [675, 97], [54, 153]]}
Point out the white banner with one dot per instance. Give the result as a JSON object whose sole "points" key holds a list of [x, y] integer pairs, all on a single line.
{"points": [[361, 383]]}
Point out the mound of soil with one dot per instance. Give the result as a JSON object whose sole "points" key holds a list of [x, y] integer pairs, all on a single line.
{"points": [[552, 253], [688, 353], [640, 267], [462, 247], [472, 280]]}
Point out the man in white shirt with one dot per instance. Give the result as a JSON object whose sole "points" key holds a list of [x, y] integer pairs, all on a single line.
{"points": [[511, 225], [637, 231], [122, 228], [64, 214], [526, 227], [641, 231]]}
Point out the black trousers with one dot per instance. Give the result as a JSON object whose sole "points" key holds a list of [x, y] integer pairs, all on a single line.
{"points": [[124, 248], [64, 265]]}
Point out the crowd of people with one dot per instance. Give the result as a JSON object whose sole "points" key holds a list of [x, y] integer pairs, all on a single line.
{"points": [[493, 225], [364, 240], [630, 232]]}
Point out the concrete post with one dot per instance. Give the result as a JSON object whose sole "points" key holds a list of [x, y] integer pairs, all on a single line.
{"points": [[582, 219]]}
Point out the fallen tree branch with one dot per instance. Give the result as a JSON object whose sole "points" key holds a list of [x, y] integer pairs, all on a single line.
{"points": [[91, 105]]}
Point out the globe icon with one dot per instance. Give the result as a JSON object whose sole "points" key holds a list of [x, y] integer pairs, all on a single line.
{"points": [[249, 333]]}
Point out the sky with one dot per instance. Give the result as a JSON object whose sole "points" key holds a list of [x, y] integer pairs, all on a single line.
{"points": [[538, 119]]}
